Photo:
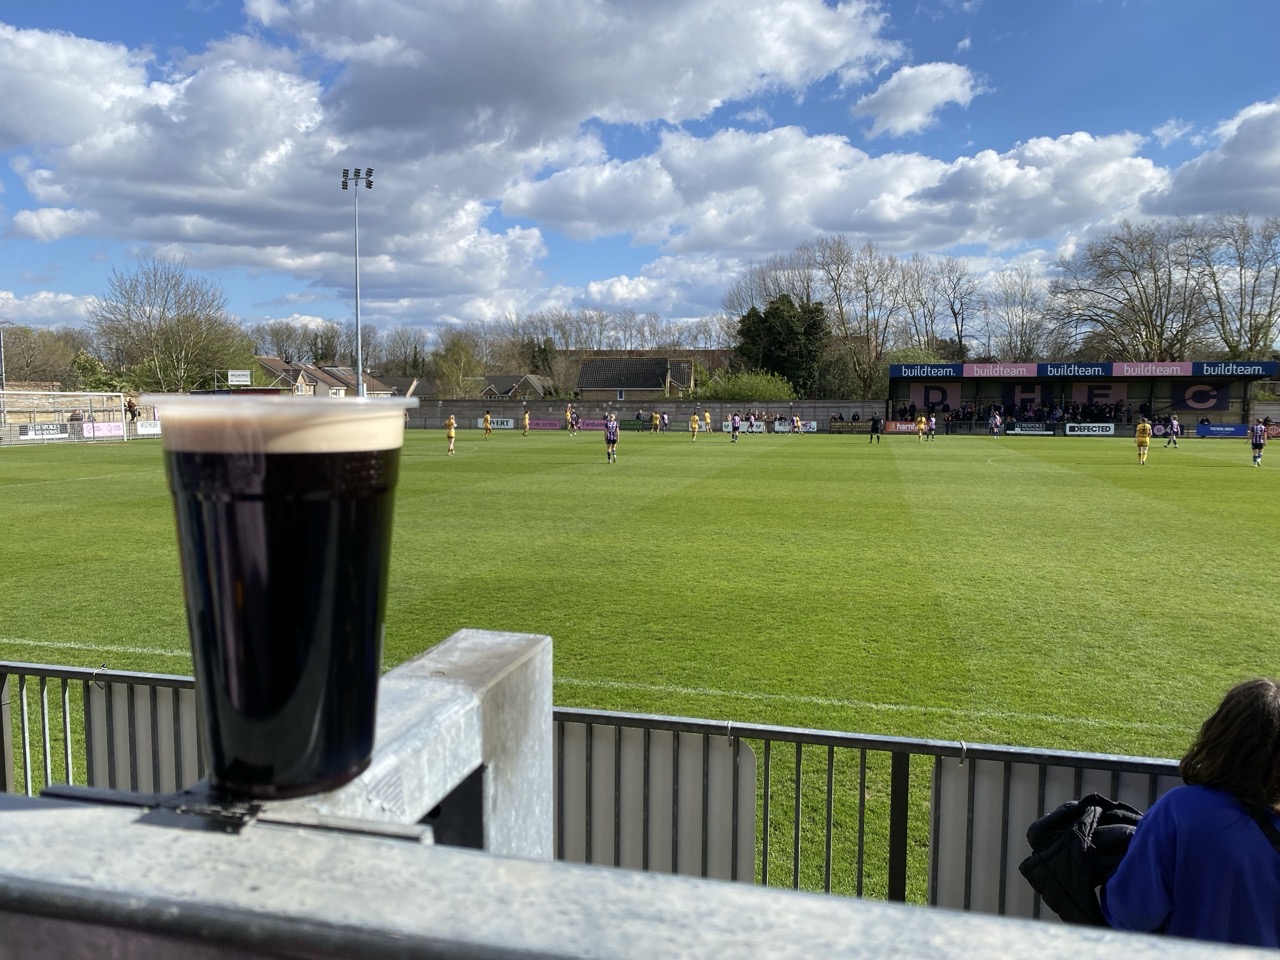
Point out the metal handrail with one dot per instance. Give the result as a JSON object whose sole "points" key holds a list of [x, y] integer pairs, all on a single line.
{"points": [[130, 733]]}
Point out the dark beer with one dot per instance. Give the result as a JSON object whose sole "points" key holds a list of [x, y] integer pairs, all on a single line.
{"points": [[283, 509], [284, 560]]}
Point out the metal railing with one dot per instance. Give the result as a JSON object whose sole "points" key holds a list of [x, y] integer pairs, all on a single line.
{"points": [[894, 818]]}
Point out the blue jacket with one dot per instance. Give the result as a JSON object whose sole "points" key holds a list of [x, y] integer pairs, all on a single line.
{"points": [[1198, 866]]}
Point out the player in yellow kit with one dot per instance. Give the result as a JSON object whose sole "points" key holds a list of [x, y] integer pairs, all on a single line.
{"points": [[1142, 437], [921, 423], [694, 424], [706, 420], [488, 425], [526, 423], [450, 427]]}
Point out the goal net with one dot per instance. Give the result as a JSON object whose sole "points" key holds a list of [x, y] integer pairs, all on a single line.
{"points": [[45, 417]]}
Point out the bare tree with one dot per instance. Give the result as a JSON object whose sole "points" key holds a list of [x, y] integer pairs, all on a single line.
{"points": [[876, 305], [960, 293], [456, 367], [284, 339], [33, 354], [1240, 266], [832, 258], [324, 342], [1135, 294], [172, 328], [921, 307], [791, 274], [595, 329], [405, 352], [553, 340], [626, 330], [1016, 312]]}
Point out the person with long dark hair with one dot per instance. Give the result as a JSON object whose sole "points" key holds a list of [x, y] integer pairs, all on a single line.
{"points": [[1205, 859]]}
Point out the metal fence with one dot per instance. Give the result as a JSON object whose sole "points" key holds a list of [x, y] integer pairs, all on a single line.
{"points": [[929, 821]]}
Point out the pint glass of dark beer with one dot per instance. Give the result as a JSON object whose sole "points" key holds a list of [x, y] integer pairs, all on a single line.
{"points": [[283, 509]]}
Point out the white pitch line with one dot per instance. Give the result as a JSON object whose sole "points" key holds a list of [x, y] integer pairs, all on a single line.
{"points": [[862, 704], [37, 483], [697, 692], [98, 647]]}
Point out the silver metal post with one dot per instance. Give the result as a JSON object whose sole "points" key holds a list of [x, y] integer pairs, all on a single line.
{"points": [[358, 174], [359, 342]]}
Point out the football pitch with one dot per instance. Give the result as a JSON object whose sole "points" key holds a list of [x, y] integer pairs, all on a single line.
{"points": [[1043, 592]]}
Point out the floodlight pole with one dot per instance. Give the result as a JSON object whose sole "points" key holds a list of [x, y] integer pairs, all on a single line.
{"points": [[366, 175]]}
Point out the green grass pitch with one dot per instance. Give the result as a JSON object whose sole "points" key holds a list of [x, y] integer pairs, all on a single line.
{"points": [[1035, 591]]}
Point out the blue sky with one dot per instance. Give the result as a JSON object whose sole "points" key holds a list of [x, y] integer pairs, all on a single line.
{"points": [[611, 154]]}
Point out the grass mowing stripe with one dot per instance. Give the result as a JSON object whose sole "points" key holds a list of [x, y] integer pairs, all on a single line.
{"points": [[863, 704], [995, 585]]}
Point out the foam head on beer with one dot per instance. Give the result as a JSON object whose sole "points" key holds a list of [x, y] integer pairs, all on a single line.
{"points": [[217, 423], [283, 509]]}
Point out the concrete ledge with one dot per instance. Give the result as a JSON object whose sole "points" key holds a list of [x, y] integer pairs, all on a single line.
{"points": [[82, 880]]}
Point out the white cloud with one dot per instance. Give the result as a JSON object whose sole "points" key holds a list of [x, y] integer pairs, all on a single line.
{"points": [[62, 89], [1171, 131], [1241, 170], [623, 291], [909, 101], [964, 45], [736, 192], [51, 223], [755, 117], [498, 129], [46, 308], [482, 67]]}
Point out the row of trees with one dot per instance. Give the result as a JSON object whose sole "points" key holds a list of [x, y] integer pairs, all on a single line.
{"points": [[830, 316], [547, 343]]}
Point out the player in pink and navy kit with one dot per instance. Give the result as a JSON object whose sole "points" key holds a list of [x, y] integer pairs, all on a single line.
{"points": [[611, 439]]}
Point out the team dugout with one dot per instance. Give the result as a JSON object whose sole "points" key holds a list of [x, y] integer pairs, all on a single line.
{"points": [[1201, 393]]}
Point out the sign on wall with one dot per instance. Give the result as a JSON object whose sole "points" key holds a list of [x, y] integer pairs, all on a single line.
{"points": [[1189, 395], [923, 394]]}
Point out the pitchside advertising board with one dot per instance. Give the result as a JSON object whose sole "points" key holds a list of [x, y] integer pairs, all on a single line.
{"points": [[1198, 385], [497, 423], [43, 431], [1031, 429], [1089, 429]]}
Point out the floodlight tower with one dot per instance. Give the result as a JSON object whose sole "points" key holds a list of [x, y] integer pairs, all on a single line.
{"points": [[357, 175]]}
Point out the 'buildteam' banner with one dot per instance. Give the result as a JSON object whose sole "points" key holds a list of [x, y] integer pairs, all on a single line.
{"points": [[1218, 369]]}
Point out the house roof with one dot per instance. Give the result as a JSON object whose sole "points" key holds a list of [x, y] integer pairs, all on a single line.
{"points": [[623, 373], [328, 376], [503, 385], [682, 373], [407, 386]]}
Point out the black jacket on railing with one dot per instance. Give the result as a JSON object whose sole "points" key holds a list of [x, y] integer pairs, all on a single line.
{"points": [[1074, 850]]}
